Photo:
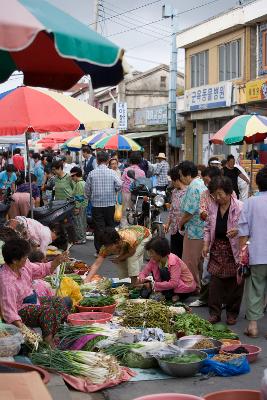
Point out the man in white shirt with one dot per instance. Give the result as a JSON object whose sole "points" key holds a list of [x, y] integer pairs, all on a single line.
{"points": [[67, 167]]}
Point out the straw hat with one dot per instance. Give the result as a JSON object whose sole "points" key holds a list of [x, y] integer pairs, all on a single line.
{"points": [[161, 155]]}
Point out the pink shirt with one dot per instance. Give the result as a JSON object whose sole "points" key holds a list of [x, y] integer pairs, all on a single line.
{"points": [[37, 232], [232, 223], [181, 279], [176, 214], [14, 288], [126, 181], [205, 201]]}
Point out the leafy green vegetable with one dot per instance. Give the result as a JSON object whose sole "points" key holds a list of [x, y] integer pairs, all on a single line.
{"points": [[220, 326], [91, 344], [97, 301], [135, 360], [183, 359], [192, 324], [120, 350]]}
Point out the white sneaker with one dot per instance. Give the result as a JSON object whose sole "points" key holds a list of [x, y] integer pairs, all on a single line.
{"points": [[197, 303]]}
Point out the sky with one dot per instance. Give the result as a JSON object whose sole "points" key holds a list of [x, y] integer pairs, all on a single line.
{"points": [[145, 41], [142, 32]]}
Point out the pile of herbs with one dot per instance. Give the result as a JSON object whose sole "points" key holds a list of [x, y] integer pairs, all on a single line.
{"points": [[192, 324], [148, 314], [97, 301]]}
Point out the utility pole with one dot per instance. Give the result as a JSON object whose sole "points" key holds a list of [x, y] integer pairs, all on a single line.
{"points": [[95, 26], [169, 12], [96, 14]]}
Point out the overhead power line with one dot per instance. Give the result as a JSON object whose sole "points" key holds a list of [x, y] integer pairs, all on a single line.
{"points": [[176, 15], [136, 19], [146, 43], [137, 27], [196, 7], [143, 31], [133, 9]]}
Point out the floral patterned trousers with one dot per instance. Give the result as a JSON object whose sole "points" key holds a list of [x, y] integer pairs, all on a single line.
{"points": [[51, 312]]}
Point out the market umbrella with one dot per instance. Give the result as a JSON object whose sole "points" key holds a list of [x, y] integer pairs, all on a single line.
{"points": [[53, 49], [250, 129], [58, 137], [92, 139], [27, 109], [244, 128], [73, 144], [117, 142]]}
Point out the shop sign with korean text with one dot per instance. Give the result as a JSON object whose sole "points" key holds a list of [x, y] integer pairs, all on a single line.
{"points": [[157, 115], [208, 97], [256, 90], [121, 112]]}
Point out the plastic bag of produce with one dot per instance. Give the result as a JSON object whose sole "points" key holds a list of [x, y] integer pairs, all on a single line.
{"points": [[234, 367], [68, 287], [10, 340]]}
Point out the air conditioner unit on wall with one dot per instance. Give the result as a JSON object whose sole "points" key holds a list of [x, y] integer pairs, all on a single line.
{"points": [[182, 147]]}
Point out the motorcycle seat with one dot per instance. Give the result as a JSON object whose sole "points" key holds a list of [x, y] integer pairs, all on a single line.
{"points": [[41, 212]]}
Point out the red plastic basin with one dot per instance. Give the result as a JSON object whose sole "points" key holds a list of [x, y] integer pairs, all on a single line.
{"points": [[169, 396], [106, 309], [234, 395], [88, 318], [254, 351]]}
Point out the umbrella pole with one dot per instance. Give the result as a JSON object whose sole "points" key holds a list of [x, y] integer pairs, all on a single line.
{"points": [[29, 172], [251, 169]]}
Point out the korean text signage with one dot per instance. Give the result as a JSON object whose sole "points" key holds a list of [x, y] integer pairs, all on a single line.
{"points": [[121, 112], [256, 90], [208, 97], [157, 115]]}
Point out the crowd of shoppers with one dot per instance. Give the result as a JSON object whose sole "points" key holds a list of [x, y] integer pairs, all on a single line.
{"points": [[210, 228]]}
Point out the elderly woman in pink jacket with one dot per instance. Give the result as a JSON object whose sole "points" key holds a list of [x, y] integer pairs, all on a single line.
{"points": [[171, 276], [222, 243]]}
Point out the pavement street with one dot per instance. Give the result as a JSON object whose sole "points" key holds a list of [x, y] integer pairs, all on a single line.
{"points": [[197, 385]]}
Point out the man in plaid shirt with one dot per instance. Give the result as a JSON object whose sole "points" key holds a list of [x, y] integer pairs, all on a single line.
{"points": [[101, 187], [161, 171]]}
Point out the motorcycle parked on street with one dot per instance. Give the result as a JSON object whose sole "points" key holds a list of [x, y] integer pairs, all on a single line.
{"points": [[148, 204], [54, 211]]}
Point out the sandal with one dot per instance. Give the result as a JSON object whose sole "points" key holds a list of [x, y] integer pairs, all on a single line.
{"points": [[254, 334], [214, 319], [231, 321]]}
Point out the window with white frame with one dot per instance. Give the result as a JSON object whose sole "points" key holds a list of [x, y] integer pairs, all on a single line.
{"points": [[199, 69], [230, 60]]}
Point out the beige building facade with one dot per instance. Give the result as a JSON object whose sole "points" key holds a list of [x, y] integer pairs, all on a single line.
{"points": [[221, 58], [146, 95]]}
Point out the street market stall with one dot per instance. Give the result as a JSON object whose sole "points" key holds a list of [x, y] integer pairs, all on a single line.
{"points": [[248, 129], [119, 334], [40, 110]]}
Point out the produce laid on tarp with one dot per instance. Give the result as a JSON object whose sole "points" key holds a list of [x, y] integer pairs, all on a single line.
{"points": [[139, 333]]}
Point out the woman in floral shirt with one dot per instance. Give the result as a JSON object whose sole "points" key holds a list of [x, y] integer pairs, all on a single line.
{"points": [[206, 198], [190, 221], [175, 214]]}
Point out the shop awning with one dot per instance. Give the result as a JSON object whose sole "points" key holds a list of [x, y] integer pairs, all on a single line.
{"points": [[143, 135]]}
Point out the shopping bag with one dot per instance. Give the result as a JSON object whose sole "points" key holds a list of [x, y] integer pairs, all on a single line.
{"points": [[118, 212]]}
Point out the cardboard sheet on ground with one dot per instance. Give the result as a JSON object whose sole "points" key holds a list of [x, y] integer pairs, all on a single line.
{"points": [[23, 386]]}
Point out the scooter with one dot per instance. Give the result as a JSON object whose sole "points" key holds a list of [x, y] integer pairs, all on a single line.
{"points": [[147, 205], [54, 211]]}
